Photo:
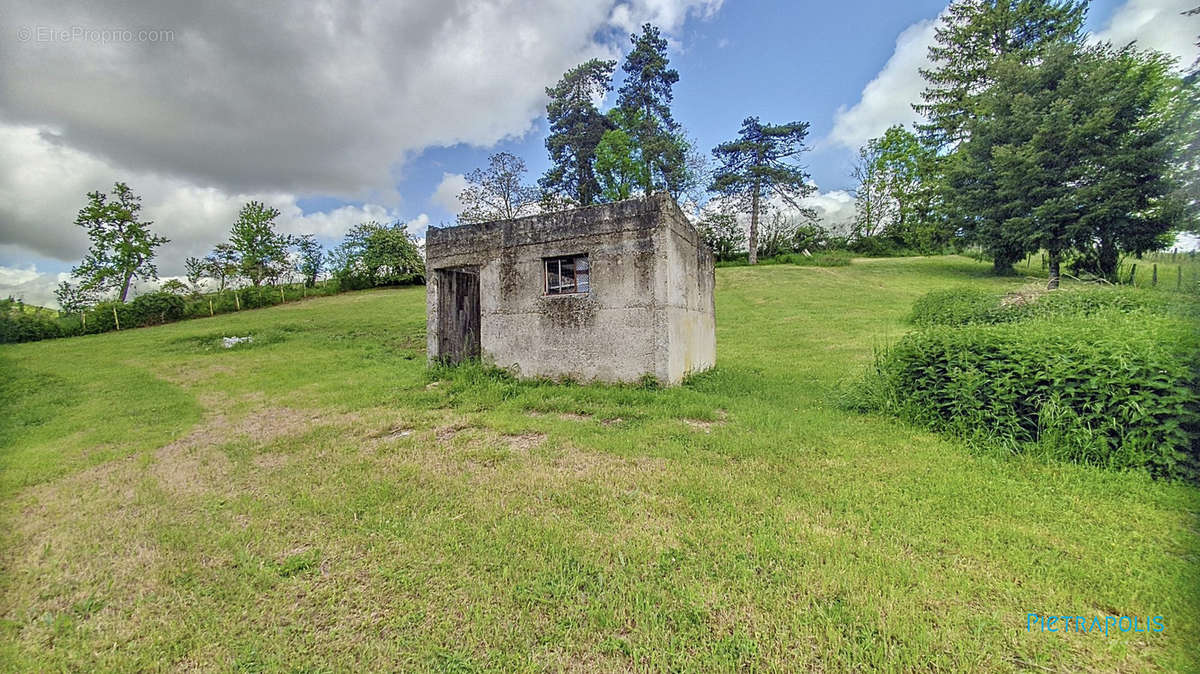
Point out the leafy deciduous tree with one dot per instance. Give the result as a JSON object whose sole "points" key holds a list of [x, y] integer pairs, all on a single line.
{"points": [[374, 254], [122, 247], [619, 166], [222, 265], [723, 234], [74, 298], [261, 250], [174, 286], [498, 193], [312, 259], [873, 208]]}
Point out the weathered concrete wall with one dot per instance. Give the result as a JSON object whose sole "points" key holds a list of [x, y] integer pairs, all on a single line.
{"points": [[689, 307], [620, 330]]}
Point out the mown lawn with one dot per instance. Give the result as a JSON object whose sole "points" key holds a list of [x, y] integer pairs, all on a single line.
{"points": [[317, 501]]}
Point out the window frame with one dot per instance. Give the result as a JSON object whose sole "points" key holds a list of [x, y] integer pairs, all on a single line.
{"points": [[562, 289]]}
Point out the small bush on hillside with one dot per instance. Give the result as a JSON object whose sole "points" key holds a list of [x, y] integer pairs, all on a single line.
{"points": [[254, 297], [104, 317]]}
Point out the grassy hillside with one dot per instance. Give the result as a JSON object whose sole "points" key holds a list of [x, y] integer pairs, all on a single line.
{"points": [[317, 501]]}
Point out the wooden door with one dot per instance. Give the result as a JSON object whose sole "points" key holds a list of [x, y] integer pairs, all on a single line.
{"points": [[458, 314]]}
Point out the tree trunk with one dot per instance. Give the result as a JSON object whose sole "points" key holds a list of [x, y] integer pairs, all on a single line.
{"points": [[754, 227], [1055, 256], [125, 286], [1108, 258]]}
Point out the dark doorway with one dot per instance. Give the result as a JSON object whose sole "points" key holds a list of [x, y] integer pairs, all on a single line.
{"points": [[458, 314]]}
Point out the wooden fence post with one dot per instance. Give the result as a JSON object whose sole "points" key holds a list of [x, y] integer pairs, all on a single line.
{"points": [[1133, 274], [236, 302], [282, 299], [210, 308], [1154, 275], [115, 319]]}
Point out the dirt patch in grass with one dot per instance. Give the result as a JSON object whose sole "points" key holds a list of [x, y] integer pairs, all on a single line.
{"points": [[1022, 296], [270, 460], [194, 464], [446, 434], [565, 416], [525, 441], [575, 463], [707, 425], [393, 432], [702, 425]]}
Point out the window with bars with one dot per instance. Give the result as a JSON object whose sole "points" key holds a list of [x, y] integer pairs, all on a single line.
{"points": [[567, 275]]}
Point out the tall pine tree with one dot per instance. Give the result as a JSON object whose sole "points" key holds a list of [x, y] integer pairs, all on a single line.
{"points": [[763, 162], [576, 128], [1071, 156], [645, 99], [971, 37]]}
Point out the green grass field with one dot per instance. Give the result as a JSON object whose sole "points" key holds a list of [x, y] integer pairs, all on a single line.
{"points": [[318, 501]]}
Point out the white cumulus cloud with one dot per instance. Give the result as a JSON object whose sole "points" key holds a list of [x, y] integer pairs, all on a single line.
{"points": [[446, 194], [887, 99], [274, 101], [1155, 24]]}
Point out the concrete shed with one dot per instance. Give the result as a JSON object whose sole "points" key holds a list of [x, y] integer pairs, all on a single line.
{"points": [[612, 292]]}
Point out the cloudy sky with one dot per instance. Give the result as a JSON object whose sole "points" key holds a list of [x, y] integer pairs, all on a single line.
{"points": [[340, 112]]}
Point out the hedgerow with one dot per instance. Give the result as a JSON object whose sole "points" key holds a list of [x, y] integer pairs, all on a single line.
{"points": [[153, 309]]}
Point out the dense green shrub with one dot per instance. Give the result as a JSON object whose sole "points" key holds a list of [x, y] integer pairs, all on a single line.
{"points": [[882, 246], [253, 297], [101, 318], [973, 306], [1092, 384], [20, 326], [957, 306], [156, 308], [828, 258]]}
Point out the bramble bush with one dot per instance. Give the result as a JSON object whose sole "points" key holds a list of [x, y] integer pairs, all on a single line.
{"points": [[973, 306], [1089, 376]]}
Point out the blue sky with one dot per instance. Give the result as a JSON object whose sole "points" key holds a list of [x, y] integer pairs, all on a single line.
{"points": [[802, 63], [346, 113]]}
